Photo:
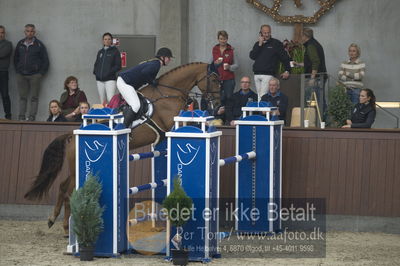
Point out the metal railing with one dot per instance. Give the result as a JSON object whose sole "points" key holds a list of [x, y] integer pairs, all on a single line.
{"points": [[328, 81]]}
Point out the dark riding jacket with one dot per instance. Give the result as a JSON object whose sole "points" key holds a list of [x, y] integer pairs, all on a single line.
{"points": [[144, 73]]}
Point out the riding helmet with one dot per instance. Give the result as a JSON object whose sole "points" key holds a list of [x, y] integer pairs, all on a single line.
{"points": [[164, 51]]}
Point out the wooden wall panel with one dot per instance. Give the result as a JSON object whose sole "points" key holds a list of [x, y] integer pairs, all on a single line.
{"points": [[356, 171], [9, 152]]}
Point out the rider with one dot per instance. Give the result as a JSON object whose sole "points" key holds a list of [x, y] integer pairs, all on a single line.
{"points": [[134, 78]]}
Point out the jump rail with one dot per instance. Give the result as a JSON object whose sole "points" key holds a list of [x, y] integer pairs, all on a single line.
{"points": [[146, 155], [237, 158], [153, 185]]}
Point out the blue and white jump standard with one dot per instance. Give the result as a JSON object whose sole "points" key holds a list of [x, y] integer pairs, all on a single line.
{"points": [[258, 181], [102, 150], [193, 155]]}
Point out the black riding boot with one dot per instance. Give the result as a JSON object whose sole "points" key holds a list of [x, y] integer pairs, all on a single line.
{"points": [[129, 116]]}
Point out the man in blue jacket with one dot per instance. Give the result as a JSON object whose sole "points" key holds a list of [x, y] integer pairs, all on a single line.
{"points": [[134, 78], [276, 98], [31, 63]]}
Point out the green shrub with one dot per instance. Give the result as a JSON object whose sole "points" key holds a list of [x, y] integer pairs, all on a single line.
{"points": [[339, 107], [178, 205], [86, 212]]}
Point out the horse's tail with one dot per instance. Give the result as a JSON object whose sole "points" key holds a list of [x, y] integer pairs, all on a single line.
{"points": [[52, 162]]}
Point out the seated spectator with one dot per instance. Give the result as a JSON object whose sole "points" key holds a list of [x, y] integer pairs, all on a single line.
{"points": [[352, 72], [276, 98], [55, 112], [71, 98], [363, 115], [233, 107], [83, 109]]}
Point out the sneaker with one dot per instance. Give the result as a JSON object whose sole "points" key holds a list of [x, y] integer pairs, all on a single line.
{"points": [[8, 116], [22, 118], [31, 118]]}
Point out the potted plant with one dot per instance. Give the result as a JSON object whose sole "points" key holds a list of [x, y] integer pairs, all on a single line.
{"points": [[339, 106], [87, 216], [178, 207]]}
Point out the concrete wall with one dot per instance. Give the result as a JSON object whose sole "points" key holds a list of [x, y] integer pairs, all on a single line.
{"points": [[370, 23], [72, 32]]}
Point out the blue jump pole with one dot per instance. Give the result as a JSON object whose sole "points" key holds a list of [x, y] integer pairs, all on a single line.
{"points": [[146, 155], [152, 185], [237, 158]]}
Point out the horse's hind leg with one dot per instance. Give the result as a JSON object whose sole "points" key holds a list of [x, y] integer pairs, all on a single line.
{"points": [[60, 200], [67, 207]]}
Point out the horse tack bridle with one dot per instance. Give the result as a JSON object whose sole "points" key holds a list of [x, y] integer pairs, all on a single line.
{"points": [[186, 96]]}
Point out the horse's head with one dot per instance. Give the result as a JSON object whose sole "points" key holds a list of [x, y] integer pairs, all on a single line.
{"points": [[209, 85]]}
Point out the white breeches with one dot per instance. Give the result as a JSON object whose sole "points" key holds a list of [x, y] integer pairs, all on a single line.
{"points": [[106, 89], [129, 94]]}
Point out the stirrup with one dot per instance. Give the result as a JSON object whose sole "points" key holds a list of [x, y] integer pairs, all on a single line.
{"points": [[129, 116]]}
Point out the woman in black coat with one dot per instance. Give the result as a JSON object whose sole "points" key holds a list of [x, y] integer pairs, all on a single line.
{"points": [[55, 112], [363, 115], [108, 63]]}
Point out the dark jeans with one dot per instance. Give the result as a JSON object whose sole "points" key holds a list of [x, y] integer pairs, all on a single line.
{"points": [[227, 88], [4, 93], [354, 95]]}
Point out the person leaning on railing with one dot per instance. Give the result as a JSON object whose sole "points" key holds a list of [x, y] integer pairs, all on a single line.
{"points": [[364, 112]]}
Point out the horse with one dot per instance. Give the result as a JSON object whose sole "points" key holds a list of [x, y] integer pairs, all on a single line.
{"points": [[169, 95]]}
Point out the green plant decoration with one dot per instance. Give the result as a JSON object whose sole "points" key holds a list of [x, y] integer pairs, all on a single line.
{"points": [[86, 212], [339, 107], [178, 205], [295, 52]]}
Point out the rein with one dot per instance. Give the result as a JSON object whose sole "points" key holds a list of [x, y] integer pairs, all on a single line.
{"points": [[186, 95]]}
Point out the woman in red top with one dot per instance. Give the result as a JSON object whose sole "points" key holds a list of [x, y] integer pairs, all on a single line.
{"points": [[224, 58], [71, 98]]}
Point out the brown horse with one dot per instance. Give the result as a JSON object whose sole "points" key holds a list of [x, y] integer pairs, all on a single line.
{"points": [[169, 96]]}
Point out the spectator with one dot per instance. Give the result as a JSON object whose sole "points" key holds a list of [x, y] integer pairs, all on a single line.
{"points": [[31, 63], [314, 68], [352, 72], [5, 54], [266, 53], [55, 112], [224, 58], [233, 108], [108, 63], [133, 78], [83, 109], [276, 98], [71, 98], [364, 112]]}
